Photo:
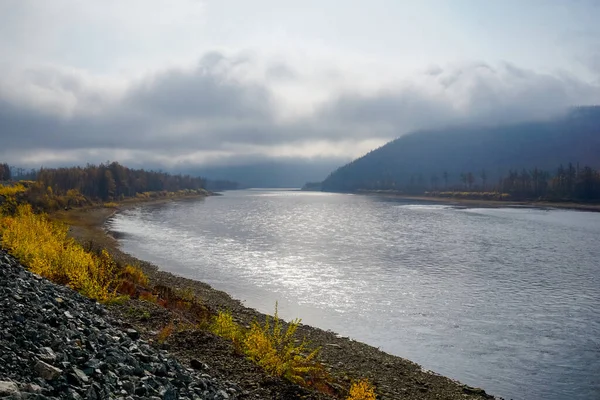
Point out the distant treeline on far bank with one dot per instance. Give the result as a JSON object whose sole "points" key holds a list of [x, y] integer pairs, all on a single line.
{"points": [[566, 183], [53, 188]]}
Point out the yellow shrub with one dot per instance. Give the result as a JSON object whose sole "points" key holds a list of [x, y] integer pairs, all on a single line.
{"points": [[224, 326], [46, 249], [165, 333], [278, 353], [111, 204], [135, 275], [8, 197], [11, 190], [361, 390]]}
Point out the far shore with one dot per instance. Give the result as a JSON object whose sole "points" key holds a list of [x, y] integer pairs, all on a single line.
{"points": [[346, 359], [477, 203]]}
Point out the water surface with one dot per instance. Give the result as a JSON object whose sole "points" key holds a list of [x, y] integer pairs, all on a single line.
{"points": [[506, 299]]}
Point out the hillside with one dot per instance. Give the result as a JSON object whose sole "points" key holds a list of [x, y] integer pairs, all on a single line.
{"points": [[424, 158]]}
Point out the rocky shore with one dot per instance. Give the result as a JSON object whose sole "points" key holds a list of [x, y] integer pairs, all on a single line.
{"points": [[56, 344]]}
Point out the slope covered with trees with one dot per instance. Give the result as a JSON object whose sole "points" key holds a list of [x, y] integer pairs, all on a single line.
{"points": [[110, 181], [529, 159]]}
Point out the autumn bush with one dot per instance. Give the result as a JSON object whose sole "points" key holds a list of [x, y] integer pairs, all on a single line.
{"points": [[224, 326], [47, 250], [361, 390], [273, 348]]}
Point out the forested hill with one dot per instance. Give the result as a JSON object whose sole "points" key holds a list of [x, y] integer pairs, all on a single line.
{"points": [[442, 158]]}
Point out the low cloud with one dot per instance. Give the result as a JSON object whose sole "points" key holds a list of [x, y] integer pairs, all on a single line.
{"points": [[225, 108]]}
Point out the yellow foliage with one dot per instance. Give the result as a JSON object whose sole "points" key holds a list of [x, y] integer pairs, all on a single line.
{"points": [[46, 249], [278, 352], [11, 190], [165, 333], [111, 204], [361, 390], [134, 275], [8, 197], [224, 326]]}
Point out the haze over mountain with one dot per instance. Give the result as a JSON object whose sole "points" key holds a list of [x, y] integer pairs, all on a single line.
{"points": [[429, 155], [197, 85]]}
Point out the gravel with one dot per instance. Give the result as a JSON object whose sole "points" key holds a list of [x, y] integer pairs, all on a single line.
{"points": [[57, 344]]}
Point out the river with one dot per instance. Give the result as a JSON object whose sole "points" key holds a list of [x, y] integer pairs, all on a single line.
{"points": [[507, 299]]}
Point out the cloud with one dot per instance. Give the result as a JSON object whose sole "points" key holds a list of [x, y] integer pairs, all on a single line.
{"points": [[229, 107]]}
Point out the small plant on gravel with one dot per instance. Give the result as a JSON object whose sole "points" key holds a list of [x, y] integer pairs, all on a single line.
{"points": [[361, 390], [165, 333], [224, 326], [134, 275], [139, 313], [278, 352], [148, 296]]}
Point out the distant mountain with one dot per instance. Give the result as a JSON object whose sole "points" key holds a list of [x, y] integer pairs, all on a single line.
{"points": [[270, 174], [428, 156]]}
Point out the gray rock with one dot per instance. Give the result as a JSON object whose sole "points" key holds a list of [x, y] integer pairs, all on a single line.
{"points": [[8, 388], [132, 333], [47, 354], [47, 371]]}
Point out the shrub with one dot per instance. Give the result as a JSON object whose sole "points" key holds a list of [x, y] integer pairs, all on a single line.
{"points": [[224, 326], [111, 204], [46, 249], [278, 353], [135, 275], [149, 297], [361, 390], [165, 333]]}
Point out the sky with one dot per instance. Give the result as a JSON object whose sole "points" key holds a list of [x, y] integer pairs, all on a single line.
{"points": [[184, 83]]}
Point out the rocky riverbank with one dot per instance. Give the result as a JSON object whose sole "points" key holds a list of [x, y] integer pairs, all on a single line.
{"points": [[345, 359], [56, 344]]}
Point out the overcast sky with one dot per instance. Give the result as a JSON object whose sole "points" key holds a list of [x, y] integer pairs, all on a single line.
{"points": [[190, 82]]}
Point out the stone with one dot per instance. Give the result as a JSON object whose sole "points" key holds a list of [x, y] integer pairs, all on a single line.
{"points": [[47, 371], [132, 333], [46, 354], [198, 365], [8, 388], [32, 388]]}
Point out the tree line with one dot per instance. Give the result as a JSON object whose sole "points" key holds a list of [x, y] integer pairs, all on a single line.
{"points": [[566, 183], [108, 181]]}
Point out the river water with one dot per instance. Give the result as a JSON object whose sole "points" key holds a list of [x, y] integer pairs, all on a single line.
{"points": [[507, 299]]}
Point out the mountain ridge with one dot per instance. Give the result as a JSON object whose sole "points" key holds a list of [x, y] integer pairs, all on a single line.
{"points": [[426, 155]]}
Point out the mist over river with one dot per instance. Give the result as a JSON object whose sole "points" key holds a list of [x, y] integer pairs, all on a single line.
{"points": [[507, 299]]}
